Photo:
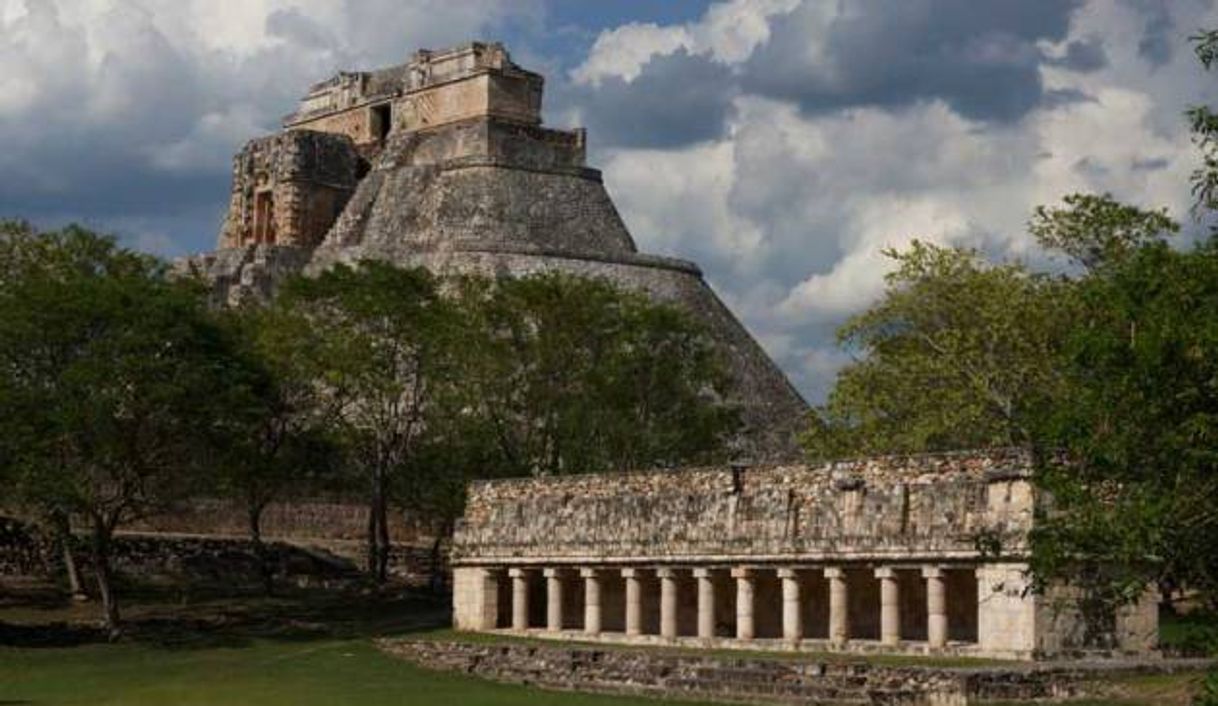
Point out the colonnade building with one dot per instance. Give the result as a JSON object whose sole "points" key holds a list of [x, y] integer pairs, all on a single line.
{"points": [[923, 554]]}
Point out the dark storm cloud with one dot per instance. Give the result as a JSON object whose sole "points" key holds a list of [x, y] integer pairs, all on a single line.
{"points": [[1062, 97], [1158, 35], [979, 57], [1083, 56], [677, 99], [1150, 164]]}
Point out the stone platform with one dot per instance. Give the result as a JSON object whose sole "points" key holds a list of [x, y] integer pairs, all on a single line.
{"points": [[674, 674], [900, 554]]}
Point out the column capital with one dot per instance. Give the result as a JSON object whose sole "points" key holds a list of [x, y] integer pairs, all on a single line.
{"points": [[666, 572], [885, 572], [554, 572], [632, 573], [703, 572], [788, 572], [590, 572], [932, 572], [835, 572], [744, 572], [518, 573]]}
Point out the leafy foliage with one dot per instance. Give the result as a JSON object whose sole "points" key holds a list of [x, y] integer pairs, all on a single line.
{"points": [[287, 443], [1204, 124], [1142, 420], [574, 376], [1097, 230], [115, 382], [952, 357], [382, 359], [1208, 695]]}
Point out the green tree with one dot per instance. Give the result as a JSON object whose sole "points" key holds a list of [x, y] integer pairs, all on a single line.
{"points": [[287, 444], [1096, 230], [1138, 503], [1204, 124], [116, 383], [957, 354], [382, 356], [575, 375]]}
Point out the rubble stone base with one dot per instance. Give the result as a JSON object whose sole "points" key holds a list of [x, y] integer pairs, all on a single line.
{"points": [[758, 679]]}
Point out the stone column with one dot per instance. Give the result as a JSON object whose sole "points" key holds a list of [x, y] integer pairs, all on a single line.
{"points": [[839, 610], [792, 610], [520, 598], [668, 602], [936, 607], [706, 603], [745, 589], [553, 599], [890, 607], [488, 617], [634, 601], [592, 600]]}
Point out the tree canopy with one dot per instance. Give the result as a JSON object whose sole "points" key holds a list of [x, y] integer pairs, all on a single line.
{"points": [[116, 382]]}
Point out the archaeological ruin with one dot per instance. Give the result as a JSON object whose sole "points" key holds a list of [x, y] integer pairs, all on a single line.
{"points": [[443, 163], [924, 554]]}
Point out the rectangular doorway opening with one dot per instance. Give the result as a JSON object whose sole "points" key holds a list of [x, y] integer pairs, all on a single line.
{"points": [[264, 222], [382, 121]]}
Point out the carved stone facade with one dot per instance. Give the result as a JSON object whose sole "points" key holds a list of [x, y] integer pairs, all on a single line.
{"points": [[874, 555], [288, 189], [443, 163]]}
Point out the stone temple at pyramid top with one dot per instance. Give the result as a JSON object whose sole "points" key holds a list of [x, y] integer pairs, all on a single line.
{"points": [[434, 88]]}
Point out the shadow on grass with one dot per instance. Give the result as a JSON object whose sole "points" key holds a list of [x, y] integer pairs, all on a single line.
{"points": [[200, 619]]}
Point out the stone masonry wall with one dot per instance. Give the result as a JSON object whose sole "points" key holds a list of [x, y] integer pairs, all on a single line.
{"points": [[302, 171], [301, 519], [907, 507], [251, 273]]}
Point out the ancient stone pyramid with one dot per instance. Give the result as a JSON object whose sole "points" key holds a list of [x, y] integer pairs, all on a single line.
{"points": [[442, 162]]}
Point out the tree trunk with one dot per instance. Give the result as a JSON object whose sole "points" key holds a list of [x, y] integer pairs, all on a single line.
{"points": [[382, 537], [437, 556], [370, 562], [63, 536], [73, 573], [101, 569], [265, 569], [378, 526]]}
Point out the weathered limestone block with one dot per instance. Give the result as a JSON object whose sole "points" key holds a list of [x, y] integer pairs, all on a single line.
{"points": [[475, 599], [289, 188], [769, 513]]}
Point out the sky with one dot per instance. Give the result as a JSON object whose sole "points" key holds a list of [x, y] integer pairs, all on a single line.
{"points": [[783, 145]]}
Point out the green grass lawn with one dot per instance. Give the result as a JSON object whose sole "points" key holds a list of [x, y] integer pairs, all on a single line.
{"points": [[297, 649], [261, 673], [300, 648]]}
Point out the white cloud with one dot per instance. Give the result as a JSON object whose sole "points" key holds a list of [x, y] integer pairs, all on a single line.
{"points": [[676, 201], [789, 212], [729, 32], [624, 50]]}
